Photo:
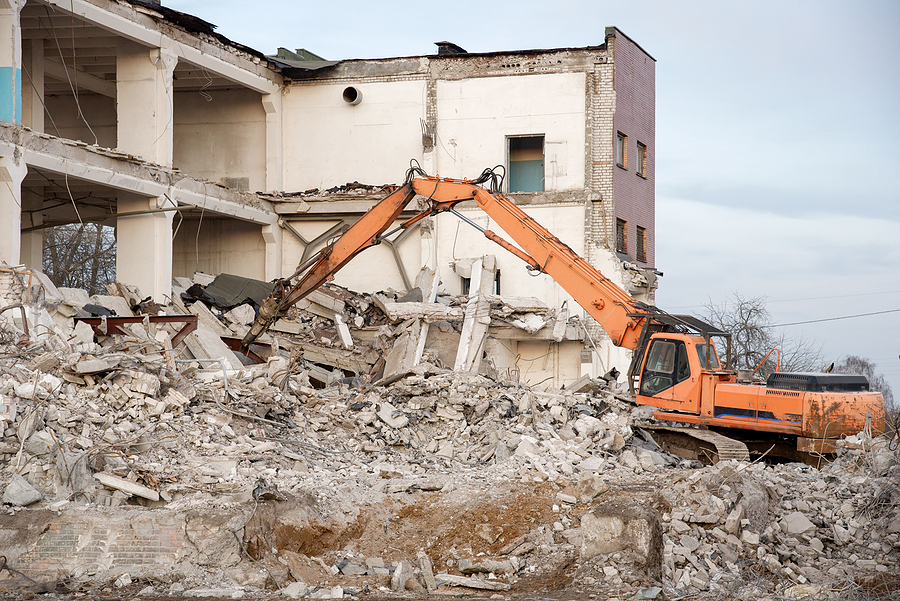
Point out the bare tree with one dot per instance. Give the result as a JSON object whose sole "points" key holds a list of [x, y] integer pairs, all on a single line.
{"points": [[752, 336], [851, 364], [80, 256]]}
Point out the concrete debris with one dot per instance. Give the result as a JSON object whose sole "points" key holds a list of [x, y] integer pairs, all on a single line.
{"points": [[20, 493], [329, 467]]}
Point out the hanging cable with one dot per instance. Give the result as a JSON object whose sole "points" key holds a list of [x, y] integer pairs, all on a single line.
{"points": [[40, 96], [69, 79]]}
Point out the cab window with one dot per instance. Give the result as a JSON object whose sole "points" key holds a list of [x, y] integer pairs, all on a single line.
{"points": [[713, 357], [667, 364]]}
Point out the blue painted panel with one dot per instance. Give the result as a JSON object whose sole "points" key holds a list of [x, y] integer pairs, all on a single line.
{"points": [[11, 95], [526, 176]]}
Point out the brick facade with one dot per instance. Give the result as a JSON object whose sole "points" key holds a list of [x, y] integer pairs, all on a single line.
{"points": [[635, 100]]}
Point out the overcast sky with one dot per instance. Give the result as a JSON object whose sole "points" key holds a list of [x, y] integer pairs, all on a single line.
{"points": [[777, 135]]}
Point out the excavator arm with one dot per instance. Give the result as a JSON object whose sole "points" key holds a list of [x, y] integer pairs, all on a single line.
{"points": [[606, 302]]}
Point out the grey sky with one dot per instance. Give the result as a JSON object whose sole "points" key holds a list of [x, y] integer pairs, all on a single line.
{"points": [[778, 135]]}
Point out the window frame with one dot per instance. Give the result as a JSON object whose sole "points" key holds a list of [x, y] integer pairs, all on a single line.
{"points": [[640, 244], [509, 161], [621, 150], [641, 159], [621, 241]]}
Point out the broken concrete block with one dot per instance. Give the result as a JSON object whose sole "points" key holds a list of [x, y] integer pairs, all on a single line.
{"points": [[92, 366], [589, 487], [295, 590], [476, 583], [392, 416], [40, 443], [116, 304], [733, 521], [31, 391], [796, 523], [403, 572], [427, 570], [127, 486], [20, 493], [617, 526], [242, 314], [483, 565]]}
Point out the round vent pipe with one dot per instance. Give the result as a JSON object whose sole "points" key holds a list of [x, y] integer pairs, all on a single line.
{"points": [[352, 95]]}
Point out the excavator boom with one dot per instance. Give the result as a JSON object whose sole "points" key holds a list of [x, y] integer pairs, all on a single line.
{"points": [[611, 306]]}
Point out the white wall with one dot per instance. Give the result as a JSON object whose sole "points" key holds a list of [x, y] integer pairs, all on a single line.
{"points": [[459, 240], [221, 138], [329, 142], [372, 270], [475, 116], [224, 246], [542, 363]]}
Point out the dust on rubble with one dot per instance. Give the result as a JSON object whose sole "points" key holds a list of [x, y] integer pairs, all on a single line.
{"points": [[130, 469]]}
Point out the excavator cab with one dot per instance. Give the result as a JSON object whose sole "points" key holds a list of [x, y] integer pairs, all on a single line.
{"points": [[675, 369]]}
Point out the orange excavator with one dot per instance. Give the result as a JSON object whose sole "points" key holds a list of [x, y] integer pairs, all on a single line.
{"points": [[675, 367]]}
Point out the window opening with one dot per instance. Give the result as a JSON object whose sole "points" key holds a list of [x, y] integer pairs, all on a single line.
{"points": [[641, 159], [526, 164], [467, 285], [713, 357], [621, 236], [640, 248], [621, 150], [667, 364]]}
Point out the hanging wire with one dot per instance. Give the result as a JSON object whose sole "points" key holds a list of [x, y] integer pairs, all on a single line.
{"points": [[69, 79]]}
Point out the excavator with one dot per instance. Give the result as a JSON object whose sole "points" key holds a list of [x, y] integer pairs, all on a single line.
{"points": [[676, 366]]}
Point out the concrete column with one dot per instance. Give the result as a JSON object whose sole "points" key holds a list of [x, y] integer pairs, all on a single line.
{"points": [[144, 246], [32, 252], [11, 62], [145, 101], [33, 84], [272, 234], [274, 167], [12, 172]]}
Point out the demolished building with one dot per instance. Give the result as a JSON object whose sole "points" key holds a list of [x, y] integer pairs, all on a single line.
{"points": [[206, 155], [134, 466]]}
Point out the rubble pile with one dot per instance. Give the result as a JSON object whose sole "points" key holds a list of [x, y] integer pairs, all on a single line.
{"points": [[324, 484]]}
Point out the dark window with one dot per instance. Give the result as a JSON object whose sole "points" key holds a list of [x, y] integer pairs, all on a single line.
{"points": [[467, 285], [621, 236], [640, 244], [641, 159], [621, 150], [526, 164], [667, 365]]}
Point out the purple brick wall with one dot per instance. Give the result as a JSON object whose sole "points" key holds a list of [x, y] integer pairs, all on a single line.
{"points": [[634, 197]]}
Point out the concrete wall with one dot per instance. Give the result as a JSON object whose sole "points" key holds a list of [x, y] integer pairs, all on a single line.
{"points": [[372, 270], [224, 246], [222, 140], [634, 196], [329, 142], [458, 240], [99, 112], [542, 363], [475, 116]]}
